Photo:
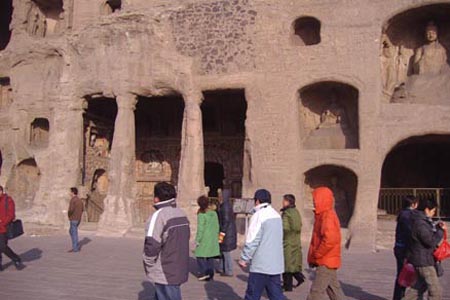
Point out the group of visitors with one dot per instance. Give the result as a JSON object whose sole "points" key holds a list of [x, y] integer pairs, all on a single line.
{"points": [[416, 238], [272, 249]]}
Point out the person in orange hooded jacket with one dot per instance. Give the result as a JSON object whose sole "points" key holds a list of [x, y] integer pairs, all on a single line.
{"points": [[325, 249]]}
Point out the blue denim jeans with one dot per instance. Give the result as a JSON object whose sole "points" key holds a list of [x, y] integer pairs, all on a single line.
{"points": [[167, 292], [73, 231], [226, 263], [258, 282]]}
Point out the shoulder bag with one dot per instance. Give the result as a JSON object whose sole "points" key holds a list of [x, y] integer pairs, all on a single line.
{"points": [[15, 228]]}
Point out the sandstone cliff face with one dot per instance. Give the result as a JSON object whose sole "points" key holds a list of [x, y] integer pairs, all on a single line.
{"points": [[63, 54]]}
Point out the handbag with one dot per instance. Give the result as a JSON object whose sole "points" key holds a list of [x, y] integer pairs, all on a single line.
{"points": [[439, 269], [15, 228], [443, 250], [407, 276]]}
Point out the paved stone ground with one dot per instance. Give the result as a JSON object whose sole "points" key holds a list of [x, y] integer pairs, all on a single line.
{"points": [[110, 268]]}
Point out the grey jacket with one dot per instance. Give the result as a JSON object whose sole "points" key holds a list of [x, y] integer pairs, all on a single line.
{"points": [[166, 249]]}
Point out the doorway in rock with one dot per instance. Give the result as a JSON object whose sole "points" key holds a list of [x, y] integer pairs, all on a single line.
{"points": [[23, 183], [417, 166], [98, 119], [158, 145], [224, 115], [214, 176]]}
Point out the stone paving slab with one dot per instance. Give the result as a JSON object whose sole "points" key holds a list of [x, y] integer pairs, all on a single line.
{"points": [[111, 268]]}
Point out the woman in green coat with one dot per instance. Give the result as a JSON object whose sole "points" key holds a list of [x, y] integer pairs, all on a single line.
{"points": [[292, 226], [207, 239]]}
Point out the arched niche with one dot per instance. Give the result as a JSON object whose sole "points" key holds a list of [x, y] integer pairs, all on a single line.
{"points": [[306, 31], [417, 166], [342, 181], [23, 183], [44, 17], [329, 116], [415, 69], [5, 93], [6, 9], [111, 6], [40, 132]]}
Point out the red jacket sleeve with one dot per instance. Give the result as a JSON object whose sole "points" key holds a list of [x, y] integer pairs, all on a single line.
{"points": [[11, 213]]}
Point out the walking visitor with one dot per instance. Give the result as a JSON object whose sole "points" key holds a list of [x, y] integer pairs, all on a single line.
{"points": [[325, 248], [228, 233], [166, 248], [75, 213], [292, 244], [425, 238], [263, 250], [402, 240], [207, 238], [7, 215]]}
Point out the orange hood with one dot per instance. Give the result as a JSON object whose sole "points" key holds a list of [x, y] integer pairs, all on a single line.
{"points": [[323, 199]]}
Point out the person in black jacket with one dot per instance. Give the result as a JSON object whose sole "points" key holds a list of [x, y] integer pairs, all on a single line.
{"points": [[402, 238], [425, 237], [228, 233]]}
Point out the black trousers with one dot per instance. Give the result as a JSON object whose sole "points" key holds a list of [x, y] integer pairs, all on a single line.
{"points": [[400, 255], [288, 280], [4, 249]]}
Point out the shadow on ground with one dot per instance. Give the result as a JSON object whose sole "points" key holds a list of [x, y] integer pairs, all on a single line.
{"points": [[216, 290], [148, 291], [30, 255], [84, 242], [356, 292]]}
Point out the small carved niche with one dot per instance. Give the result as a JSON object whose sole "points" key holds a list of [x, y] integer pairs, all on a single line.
{"points": [[44, 17], [40, 132], [5, 93], [307, 31], [6, 10], [111, 6], [329, 116]]}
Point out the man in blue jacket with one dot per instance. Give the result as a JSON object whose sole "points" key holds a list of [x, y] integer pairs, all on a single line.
{"points": [[263, 250]]}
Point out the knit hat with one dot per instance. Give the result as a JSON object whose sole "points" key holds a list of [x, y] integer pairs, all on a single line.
{"points": [[263, 196]]}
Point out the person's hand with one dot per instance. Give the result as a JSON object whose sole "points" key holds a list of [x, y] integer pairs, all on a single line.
{"points": [[242, 263], [443, 226]]}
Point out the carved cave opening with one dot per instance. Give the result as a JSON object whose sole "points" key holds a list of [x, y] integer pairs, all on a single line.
{"points": [[418, 165], [98, 121], [306, 31], [342, 181], [111, 6], [44, 17], [6, 10], [23, 183], [214, 176], [158, 144], [329, 116], [224, 115], [40, 132], [5, 92], [415, 66]]}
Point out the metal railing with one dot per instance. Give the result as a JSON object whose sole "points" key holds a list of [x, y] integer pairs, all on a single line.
{"points": [[390, 199]]}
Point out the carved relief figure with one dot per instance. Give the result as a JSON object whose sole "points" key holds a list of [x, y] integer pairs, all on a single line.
{"points": [[431, 58], [388, 65], [429, 82], [333, 115], [37, 23]]}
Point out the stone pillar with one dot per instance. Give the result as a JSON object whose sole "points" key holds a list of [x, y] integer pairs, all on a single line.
{"points": [[119, 208], [191, 183]]}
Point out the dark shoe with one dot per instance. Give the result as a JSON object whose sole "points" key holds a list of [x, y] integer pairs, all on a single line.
{"points": [[300, 279], [19, 265], [287, 289]]}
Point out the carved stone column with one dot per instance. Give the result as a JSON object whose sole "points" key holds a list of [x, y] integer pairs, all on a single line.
{"points": [[191, 183], [119, 210]]}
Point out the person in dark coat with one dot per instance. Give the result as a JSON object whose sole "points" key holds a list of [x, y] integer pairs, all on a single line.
{"points": [[402, 240], [292, 243], [425, 237], [228, 233]]}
